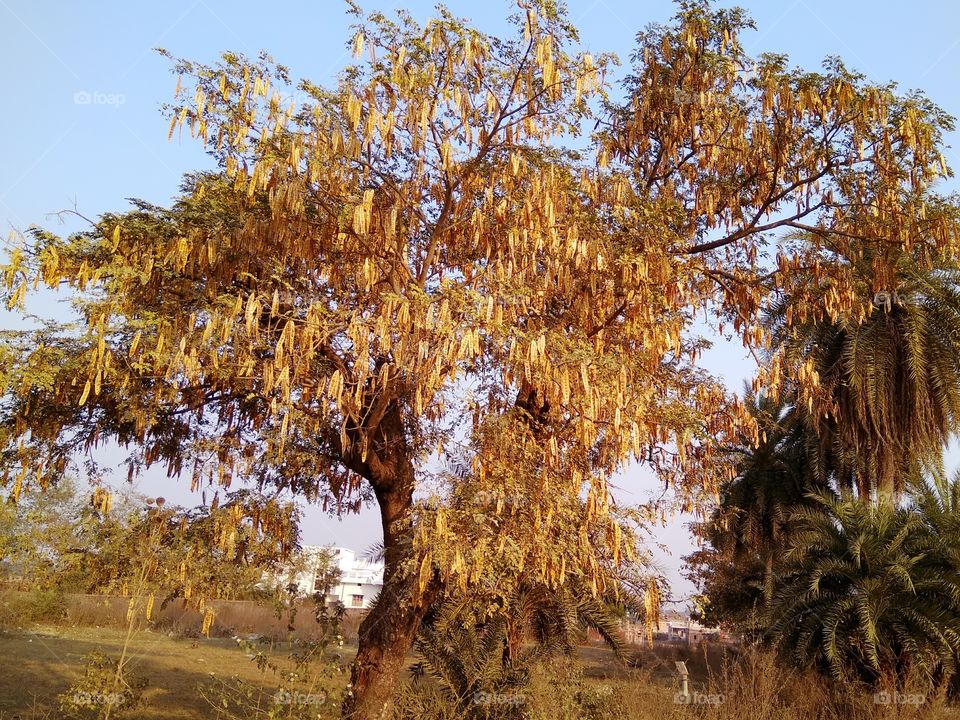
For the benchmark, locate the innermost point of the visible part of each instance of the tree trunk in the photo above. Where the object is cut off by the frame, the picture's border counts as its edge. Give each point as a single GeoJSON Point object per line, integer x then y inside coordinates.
{"type": "Point", "coordinates": [768, 579]}
{"type": "Point", "coordinates": [514, 641]}
{"type": "Point", "coordinates": [389, 629]}
{"type": "Point", "coordinates": [885, 489]}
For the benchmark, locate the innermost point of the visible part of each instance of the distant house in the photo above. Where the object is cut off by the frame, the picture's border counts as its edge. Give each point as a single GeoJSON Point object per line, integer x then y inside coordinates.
{"type": "Point", "coordinates": [692, 633]}
{"type": "Point", "coordinates": [672, 629]}
{"type": "Point", "coordinates": [360, 579]}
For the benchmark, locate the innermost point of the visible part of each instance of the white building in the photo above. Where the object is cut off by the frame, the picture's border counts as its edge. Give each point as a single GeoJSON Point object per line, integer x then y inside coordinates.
{"type": "Point", "coordinates": [691, 632]}
{"type": "Point", "coordinates": [671, 630]}
{"type": "Point", "coordinates": [360, 579]}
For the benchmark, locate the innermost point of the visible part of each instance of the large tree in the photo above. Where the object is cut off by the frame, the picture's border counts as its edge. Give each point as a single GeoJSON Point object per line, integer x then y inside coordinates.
{"type": "Point", "coordinates": [746, 531]}
{"type": "Point", "coordinates": [412, 260]}
{"type": "Point", "coordinates": [887, 396]}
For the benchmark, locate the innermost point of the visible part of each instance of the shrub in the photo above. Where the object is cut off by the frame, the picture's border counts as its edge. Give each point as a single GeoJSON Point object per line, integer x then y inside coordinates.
{"type": "Point", "coordinates": [39, 605]}
{"type": "Point", "coordinates": [105, 690]}
{"type": "Point", "coordinates": [558, 689]}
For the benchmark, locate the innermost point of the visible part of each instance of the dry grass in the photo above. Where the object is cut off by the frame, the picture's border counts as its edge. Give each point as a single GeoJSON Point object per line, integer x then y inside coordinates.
{"type": "Point", "coordinates": [748, 685]}
{"type": "Point", "coordinates": [233, 617]}
{"type": "Point", "coordinates": [745, 685]}
{"type": "Point", "coordinates": [41, 663]}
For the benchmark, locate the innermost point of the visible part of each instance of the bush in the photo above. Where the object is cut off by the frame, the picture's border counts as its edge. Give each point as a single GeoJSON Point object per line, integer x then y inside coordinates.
{"type": "Point", "coordinates": [423, 701]}
{"type": "Point", "coordinates": [39, 605]}
{"type": "Point", "coordinates": [105, 690]}
{"type": "Point", "coordinates": [866, 590]}
{"type": "Point", "coordinates": [559, 690]}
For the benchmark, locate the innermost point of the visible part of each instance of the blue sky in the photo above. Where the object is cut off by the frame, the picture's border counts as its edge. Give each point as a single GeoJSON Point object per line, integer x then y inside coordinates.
{"type": "Point", "coordinates": [83, 86]}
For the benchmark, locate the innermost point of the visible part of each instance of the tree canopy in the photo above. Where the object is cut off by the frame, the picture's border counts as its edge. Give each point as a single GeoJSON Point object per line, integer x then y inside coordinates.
{"type": "Point", "coordinates": [437, 255]}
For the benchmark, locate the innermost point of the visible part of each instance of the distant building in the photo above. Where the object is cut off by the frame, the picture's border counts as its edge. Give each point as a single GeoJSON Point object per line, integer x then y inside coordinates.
{"type": "Point", "coordinates": [673, 629]}
{"type": "Point", "coordinates": [692, 633]}
{"type": "Point", "coordinates": [360, 579]}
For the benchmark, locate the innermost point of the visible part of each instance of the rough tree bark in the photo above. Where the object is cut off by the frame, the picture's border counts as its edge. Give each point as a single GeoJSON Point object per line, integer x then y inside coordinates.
{"type": "Point", "coordinates": [886, 490]}
{"type": "Point", "coordinates": [389, 629]}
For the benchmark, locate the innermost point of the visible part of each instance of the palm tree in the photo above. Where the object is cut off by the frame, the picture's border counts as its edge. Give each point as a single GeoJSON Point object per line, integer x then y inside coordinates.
{"type": "Point", "coordinates": [866, 589]}
{"type": "Point", "coordinates": [470, 645]}
{"type": "Point", "coordinates": [466, 661]}
{"type": "Point", "coordinates": [556, 617]}
{"type": "Point", "coordinates": [772, 478]}
{"type": "Point", "coordinates": [890, 384]}
{"type": "Point", "coordinates": [937, 500]}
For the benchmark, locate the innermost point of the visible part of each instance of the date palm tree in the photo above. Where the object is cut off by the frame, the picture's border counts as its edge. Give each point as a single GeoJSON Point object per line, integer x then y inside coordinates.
{"type": "Point", "coordinates": [890, 384]}
{"type": "Point", "coordinates": [473, 648]}
{"type": "Point", "coordinates": [751, 519]}
{"type": "Point", "coordinates": [867, 589]}
{"type": "Point", "coordinates": [467, 662]}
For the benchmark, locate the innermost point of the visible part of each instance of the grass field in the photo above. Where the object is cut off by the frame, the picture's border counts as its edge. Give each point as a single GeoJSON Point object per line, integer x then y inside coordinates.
{"type": "Point", "coordinates": [40, 662]}
{"type": "Point", "coordinates": [43, 662]}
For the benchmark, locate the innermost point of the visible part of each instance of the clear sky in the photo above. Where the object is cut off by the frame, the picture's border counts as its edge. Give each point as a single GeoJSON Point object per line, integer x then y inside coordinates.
{"type": "Point", "coordinates": [83, 88]}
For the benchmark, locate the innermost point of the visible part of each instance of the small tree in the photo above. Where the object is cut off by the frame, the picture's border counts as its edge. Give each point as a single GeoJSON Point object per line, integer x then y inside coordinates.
{"type": "Point", "coordinates": [867, 590]}
{"type": "Point", "coordinates": [35, 533]}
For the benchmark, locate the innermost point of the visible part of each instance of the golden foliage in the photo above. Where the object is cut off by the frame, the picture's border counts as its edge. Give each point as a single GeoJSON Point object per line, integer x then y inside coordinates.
{"type": "Point", "coordinates": [410, 260]}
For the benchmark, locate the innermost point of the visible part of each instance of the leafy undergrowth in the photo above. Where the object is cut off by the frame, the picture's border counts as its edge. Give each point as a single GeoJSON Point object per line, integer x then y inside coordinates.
{"type": "Point", "coordinates": [748, 685]}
